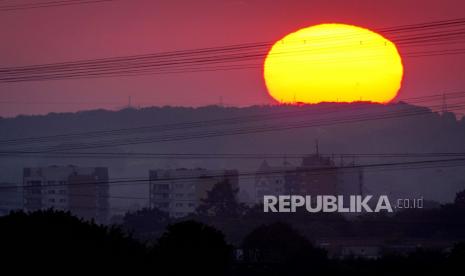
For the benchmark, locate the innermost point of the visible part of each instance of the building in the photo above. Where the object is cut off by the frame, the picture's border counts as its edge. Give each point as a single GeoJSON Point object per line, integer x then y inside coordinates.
{"type": "Point", "coordinates": [11, 198]}
{"type": "Point", "coordinates": [272, 180]}
{"type": "Point", "coordinates": [179, 191]}
{"type": "Point", "coordinates": [82, 190]}
{"type": "Point", "coordinates": [373, 248]}
{"type": "Point", "coordinates": [316, 175]}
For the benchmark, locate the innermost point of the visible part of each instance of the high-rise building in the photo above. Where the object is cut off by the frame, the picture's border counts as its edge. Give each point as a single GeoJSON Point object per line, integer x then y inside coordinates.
{"type": "Point", "coordinates": [180, 191]}
{"type": "Point", "coordinates": [316, 175]}
{"type": "Point", "coordinates": [11, 198]}
{"type": "Point", "coordinates": [272, 180]}
{"type": "Point", "coordinates": [83, 191]}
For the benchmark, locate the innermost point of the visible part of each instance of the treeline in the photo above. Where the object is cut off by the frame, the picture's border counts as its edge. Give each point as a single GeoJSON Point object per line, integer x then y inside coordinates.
{"type": "Point", "coordinates": [55, 241]}
{"type": "Point", "coordinates": [225, 237]}
{"type": "Point", "coordinates": [221, 210]}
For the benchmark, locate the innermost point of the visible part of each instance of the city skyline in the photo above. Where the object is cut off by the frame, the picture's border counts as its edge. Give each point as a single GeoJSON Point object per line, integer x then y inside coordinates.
{"type": "Point", "coordinates": [233, 137]}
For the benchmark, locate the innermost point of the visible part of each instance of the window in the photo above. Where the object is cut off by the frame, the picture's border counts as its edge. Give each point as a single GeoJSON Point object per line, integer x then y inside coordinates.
{"type": "Point", "coordinates": [162, 195]}
{"type": "Point", "coordinates": [32, 201]}
{"type": "Point", "coordinates": [163, 187]}
{"type": "Point", "coordinates": [34, 183]}
{"type": "Point", "coordinates": [163, 205]}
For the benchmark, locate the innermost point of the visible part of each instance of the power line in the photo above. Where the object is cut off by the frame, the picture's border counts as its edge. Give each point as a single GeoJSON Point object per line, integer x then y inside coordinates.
{"type": "Point", "coordinates": [182, 67]}
{"type": "Point", "coordinates": [308, 170]}
{"type": "Point", "coordinates": [241, 131]}
{"type": "Point", "coordinates": [199, 135]}
{"type": "Point", "coordinates": [319, 110]}
{"type": "Point", "coordinates": [227, 57]}
{"type": "Point", "coordinates": [184, 180]}
{"type": "Point", "coordinates": [379, 167]}
{"type": "Point", "coordinates": [148, 155]}
{"type": "Point", "coordinates": [59, 103]}
{"type": "Point", "coordinates": [49, 4]}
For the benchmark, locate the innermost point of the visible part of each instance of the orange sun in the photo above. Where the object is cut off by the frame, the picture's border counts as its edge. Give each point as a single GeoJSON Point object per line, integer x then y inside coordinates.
{"type": "Point", "coordinates": [333, 63]}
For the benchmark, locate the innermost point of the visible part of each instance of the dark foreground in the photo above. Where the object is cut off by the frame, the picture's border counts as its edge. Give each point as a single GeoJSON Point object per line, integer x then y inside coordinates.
{"type": "Point", "coordinates": [46, 240]}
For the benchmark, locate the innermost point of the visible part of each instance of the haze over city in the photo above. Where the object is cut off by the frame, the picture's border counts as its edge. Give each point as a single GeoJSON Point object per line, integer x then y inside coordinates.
{"type": "Point", "coordinates": [233, 137]}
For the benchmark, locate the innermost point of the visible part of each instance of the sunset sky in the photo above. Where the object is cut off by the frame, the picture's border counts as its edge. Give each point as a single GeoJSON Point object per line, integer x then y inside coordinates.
{"type": "Point", "coordinates": [129, 27]}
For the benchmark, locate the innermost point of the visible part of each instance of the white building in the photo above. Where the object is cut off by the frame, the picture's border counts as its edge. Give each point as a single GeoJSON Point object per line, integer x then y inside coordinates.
{"type": "Point", "coordinates": [180, 191]}
{"type": "Point", "coordinates": [271, 180]}
{"type": "Point", "coordinates": [81, 190]}
{"type": "Point", "coordinates": [11, 198]}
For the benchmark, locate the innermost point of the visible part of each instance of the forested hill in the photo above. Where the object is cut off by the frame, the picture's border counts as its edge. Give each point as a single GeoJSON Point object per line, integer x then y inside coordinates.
{"type": "Point", "coordinates": [358, 128]}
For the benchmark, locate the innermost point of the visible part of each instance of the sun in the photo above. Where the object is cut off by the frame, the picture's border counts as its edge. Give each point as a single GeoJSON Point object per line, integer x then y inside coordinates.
{"type": "Point", "coordinates": [333, 63]}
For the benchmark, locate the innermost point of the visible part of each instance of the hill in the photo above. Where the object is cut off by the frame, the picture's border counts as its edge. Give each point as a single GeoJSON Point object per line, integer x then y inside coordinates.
{"type": "Point", "coordinates": [287, 130]}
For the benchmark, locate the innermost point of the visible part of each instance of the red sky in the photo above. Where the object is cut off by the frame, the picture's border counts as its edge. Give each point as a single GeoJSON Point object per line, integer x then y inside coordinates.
{"type": "Point", "coordinates": [128, 27]}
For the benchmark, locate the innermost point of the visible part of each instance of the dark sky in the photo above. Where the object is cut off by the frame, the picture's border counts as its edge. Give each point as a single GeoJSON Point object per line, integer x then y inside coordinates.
{"type": "Point", "coordinates": [128, 27]}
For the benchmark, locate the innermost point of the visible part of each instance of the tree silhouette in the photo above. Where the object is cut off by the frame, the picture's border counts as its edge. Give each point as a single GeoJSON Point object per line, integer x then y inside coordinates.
{"type": "Point", "coordinates": [195, 248]}
{"type": "Point", "coordinates": [221, 201]}
{"type": "Point", "coordinates": [146, 224]}
{"type": "Point", "coordinates": [460, 199]}
{"type": "Point", "coordinates": [280, 246]}
{"type": "Point", "coordinates": [58, 237]}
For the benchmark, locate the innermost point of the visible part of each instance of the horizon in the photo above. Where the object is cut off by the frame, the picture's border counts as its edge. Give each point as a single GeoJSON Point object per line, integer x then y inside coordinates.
{"type": "Point", "coordinates": [233, 137]}
{"type": "Point", "coordinates": [458, 113]}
